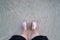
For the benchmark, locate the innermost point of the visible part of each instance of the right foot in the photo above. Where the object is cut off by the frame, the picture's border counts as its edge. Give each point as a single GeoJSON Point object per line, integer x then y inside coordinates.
{"type": "Point", "coordinates": [34, 25]}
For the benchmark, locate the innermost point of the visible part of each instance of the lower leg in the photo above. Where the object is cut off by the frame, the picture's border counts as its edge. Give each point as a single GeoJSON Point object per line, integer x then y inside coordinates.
{"type": "Point", "coordinates": [24, 32]}
{"type": "Point", "coordinates": [34, 30]}
{"type": "Point", "coordinates": [34, 33]}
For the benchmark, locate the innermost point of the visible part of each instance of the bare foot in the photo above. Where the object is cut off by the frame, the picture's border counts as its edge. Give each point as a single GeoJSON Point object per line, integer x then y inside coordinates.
{"type": "Point", "coordinates": [34, 25]}
{"type": "Point", "coordinates": [24, 25]}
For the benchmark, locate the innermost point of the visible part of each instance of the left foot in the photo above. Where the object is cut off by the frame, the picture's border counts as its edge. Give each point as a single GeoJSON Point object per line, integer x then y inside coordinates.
{"type": "Point", "coordinates": [24, 24]}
